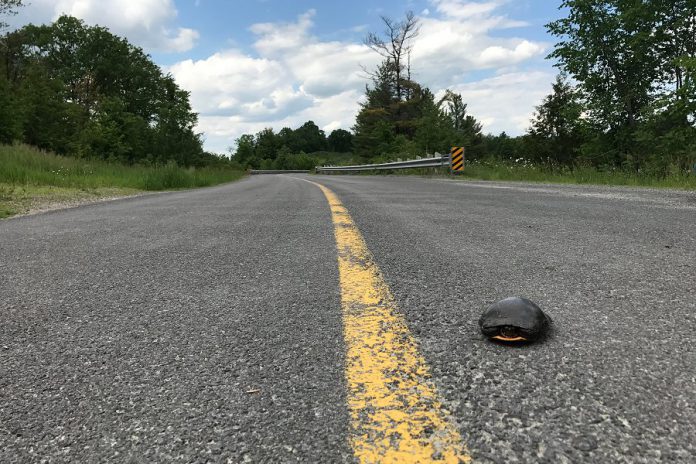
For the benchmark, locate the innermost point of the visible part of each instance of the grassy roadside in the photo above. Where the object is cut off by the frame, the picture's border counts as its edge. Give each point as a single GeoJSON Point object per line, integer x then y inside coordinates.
{"type": "Point", "coordinates": [32, 180]}
{"type": "Point", "coordinates": [525, 172]}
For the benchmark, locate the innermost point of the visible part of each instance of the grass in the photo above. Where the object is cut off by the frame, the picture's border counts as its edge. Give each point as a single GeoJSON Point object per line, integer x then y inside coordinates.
{"type": "Point", "coordinates": [32, 179]}
{"type": "Point", "coordinates": [527, 172]}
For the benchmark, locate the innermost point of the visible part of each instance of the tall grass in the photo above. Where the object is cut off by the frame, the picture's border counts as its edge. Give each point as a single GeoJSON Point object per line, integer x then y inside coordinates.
{"type": "Point", "coordinates": [525, 171]}
{"type": "Point", "coordinates": [24, 165]}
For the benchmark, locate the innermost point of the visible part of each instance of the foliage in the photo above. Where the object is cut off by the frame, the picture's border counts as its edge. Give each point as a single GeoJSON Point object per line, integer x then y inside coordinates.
{"type": "Point", "coordinates": [465, 129]}
{"type": "Point", "coordinates": [395, 48]}
{"type": "Point", "coordinates": [557, 129]}
{"type": "Point", "coordinates": [27, 166]}
{"type": "Point", "coordinates": [411, 125]}
{"type": "Point", "coordinates": [8, 8]}
{"type": "Point", "coordinates": [340, 140]}
{"type": "Point", "coordinates": [311, 138]}
{"type": "Point", "coordinates": [401, 118]}
{"type": "Point", "coordinates": [302, 148]}
{"type": "Point", "coordinates": [80, 90]}
{"type": "Point", "coordinates": [521, 169]}
{"type": "Point", "coordinates": [633, 64]}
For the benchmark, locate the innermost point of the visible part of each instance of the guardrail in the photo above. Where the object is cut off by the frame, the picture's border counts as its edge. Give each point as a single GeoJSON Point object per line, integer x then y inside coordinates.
{"type": "Point", "coordinates": [435, 162]}
{"type": "Point", "coordinates": [277, 171]}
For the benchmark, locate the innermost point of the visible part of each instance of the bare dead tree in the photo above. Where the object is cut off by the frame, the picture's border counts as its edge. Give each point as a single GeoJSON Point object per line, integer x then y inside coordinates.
{"type": "Point", "coordinates": [396, 45]}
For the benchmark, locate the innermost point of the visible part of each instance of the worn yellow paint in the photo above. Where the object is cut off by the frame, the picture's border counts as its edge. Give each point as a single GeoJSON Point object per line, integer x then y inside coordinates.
{"type": "Point", "coordinates": [396, 416]}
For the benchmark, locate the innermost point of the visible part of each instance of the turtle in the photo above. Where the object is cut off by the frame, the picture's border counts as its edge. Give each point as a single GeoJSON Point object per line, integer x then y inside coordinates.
{"type": "Point", "coordinates": [514, 319]}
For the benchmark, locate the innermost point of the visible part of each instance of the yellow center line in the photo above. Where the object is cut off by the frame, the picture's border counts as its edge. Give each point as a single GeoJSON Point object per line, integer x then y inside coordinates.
{"type": "Point", "coordinates": [396, 416]}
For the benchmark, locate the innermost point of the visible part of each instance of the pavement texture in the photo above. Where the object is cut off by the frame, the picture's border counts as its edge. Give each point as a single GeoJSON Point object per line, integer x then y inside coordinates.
{"type": "Point", "coordinates": [205, 326]}
{"type": "Point", "coordinates": [200, 326]}
{"type": "Point", "coordinates": [614, 268]}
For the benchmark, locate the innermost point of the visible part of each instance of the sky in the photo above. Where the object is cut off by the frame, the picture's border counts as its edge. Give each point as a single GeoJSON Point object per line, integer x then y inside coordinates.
{"type": "Point", "coordinates": [279, 63]}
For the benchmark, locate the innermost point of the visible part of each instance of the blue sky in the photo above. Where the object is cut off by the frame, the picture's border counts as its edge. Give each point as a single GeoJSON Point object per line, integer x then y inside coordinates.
{"type": "Point", "coordinates": [274, 63]}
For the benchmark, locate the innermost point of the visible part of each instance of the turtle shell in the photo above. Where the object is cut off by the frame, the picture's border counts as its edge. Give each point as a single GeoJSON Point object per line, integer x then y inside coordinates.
{"type": "Point", "coordinates": [514, 320]}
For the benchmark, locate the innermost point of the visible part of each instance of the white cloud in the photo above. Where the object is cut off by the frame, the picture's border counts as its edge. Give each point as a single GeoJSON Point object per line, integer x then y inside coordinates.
{"type": "Point", "coordinates": [462, 9]}
{"type": "Point", "coordinates": [225, 81]}
{"type": "Point", "coordinates": [294, 76]}
{"type": "Point", "coordinates": [275, 38]}
{"type": "Point", "coordinates": [147, 23]}
{"type": "Point", "coordinates": [335, 112]}
{"type": "Point", "coordinates": [496, 56]}
{"type": "Point", "coordinates": [506, 102]}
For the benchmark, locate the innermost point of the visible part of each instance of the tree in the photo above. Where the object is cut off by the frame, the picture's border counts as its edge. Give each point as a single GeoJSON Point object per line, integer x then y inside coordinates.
{"type": "Point", "coordinates": [288, 138]}
{"type": "Point", "coordinates": [629, 58]}
{"type": "Point", "coordinates": [310, 137]}
{"type": "Point", "coordinates": [502, 146]}
{"type": "Point", "coordinates": [374, 133]}
{"type": "Point", "coordinates": [668, 137]}
{"type": "Point", "coordinates": [266, 144]}
{"type": "Point", "coordinates": [675, 39]}
{"type": "Point", "coordinates": [432, 128]}
{"type": "Point", "coordinates": [607, 47]}
{"type": "Point", "coordinates": [50, 122]}
{"type": "Point", "coordinates": [79, 89]}
{"type": "Point", "coordinates": [245, 149]}
{"type": "Point", "coordinates": [8, 8]}
{"type": "Point", "coordinates": [11, 116]}
{"type": "Point", "coordinates": [557, 130]}
{"type": "Point", "coordinates": [340, 140]}
{"type": "Point", "coordinates": [387, 125]}
{"type": "Point", "coordinates": [375, 127]}
{"type": "Point", "coordinates": [396, 47]}
{"type": "Point", "coordinates": [466, 129]}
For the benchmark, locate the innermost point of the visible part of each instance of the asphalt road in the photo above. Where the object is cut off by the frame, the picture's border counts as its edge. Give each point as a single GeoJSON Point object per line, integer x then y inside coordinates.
{"type": "Point", "coordinates": [205, 326]}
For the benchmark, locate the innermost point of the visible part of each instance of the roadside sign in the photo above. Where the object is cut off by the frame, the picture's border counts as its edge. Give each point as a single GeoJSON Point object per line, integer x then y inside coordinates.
{"type": "Point", "coordinates": [457, 159]}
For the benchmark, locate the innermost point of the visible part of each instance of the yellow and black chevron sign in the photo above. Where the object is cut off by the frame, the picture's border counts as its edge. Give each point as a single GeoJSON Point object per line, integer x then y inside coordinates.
{"type": "Point", "coordinates": [457, 159]}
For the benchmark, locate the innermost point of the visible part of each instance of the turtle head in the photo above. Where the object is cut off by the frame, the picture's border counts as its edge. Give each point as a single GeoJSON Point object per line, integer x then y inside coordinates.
{"type": "Point", "coordinates": [509, 333]}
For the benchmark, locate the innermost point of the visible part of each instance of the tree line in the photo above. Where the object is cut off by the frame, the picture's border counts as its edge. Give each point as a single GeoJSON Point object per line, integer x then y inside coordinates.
{"type": "Point", "coordinates": [398, 118]}
{"type": "Point", "coordinates": [79, 90]}
{"type": "Point", "coordinates": [629, 98]}
{"type": "Point", "coordinates": [625, 97]}
{"type": "Point", "coordinates": [301, 148]}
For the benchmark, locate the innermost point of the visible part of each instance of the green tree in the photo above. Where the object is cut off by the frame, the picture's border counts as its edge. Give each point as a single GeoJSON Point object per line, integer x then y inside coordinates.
{"type": "Point", "coordinates": [503, 146]}
{"type": "Point", "coordinates": [395, 48]}
{"type": "Point", "coordinates": [11, 117]}
{"type": "Point", "coordinates": [50, 122]}
{"type": "Point", "coordinates": [465, 129]}
{"type": "Point", "coordinates": [266, 144]}
{"type": "Point", "coordinates": [374, 127]}
{"type": "Point", "coordinates": [631, 60]}
{"type": "Point", "coordinates": [433, 129]}
{"type": "Point", "coordinates": [82, 89]}
{"type": "Point", "coordinates": [8, 8]}
{"type": "Point", "coordinates": [246, 149]}
{"type": "Point", "coordinates": [311, 138]}
{"type": "Point", "coordinates": [557, 129]}
{"type": "Point", "coordinates": [287, 137]}
{"type": "Point", "coordinates": [283, 160]}
{"type": "Point", "coordinates": [340, 140]}
{"type": "Point", "coordinates": [116, 134]}
{"type": "Point", "coordinates": [608, 47]}
{"type": "Point", "coordinates": [668, 137]}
